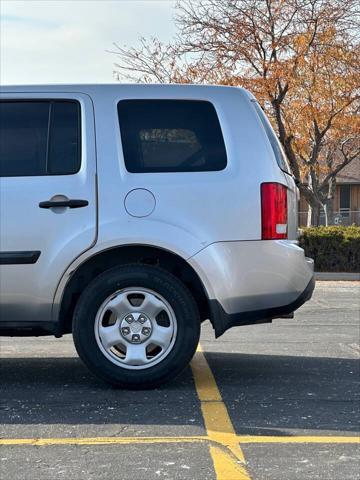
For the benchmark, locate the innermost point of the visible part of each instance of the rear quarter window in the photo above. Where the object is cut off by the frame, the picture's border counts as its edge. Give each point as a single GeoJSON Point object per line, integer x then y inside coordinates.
{"type": "Point", "coordinates": [273, 139]}
{"type": "Point", "coordinates": [171, 136]}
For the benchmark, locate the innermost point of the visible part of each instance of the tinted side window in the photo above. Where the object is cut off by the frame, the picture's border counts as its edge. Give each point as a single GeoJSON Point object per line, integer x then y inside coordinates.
{"type": "Point", "coordinates": [23, 138]}
{"type": "Point", "coordinates": [274, 141]}
{"type": "Point", "coordinates": [64, 144]}
{"type": "Point", "coordinates": [39, 138]}
{"type": "Point", "coordinates": [171, 136]}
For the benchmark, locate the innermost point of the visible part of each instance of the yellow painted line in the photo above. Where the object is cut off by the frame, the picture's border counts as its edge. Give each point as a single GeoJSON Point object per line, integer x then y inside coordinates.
{"type": "Point", "coordinates": [218, 424]}
{"type": "Point", "coordinates": [297, 439]}
{"type": "Point", "coordinates": [42, 442]}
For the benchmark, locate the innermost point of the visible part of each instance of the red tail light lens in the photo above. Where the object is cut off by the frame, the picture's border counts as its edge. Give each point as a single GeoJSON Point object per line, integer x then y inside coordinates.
{"type": "Point", "coordinates": [273, 211]}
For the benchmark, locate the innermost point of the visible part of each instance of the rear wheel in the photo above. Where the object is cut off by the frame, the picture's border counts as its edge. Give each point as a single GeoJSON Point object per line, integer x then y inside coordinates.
{"type": "Point", "coordinates": [136, 326]}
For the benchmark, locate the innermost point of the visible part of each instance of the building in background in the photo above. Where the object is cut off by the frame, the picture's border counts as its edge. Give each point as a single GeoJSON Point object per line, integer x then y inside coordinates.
{"type": "Point", "coordinates": [346, 203]}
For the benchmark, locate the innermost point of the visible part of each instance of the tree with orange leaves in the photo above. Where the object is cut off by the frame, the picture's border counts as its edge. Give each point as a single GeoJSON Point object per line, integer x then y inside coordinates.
{"type": "Point", "coordinates": [300, 58]}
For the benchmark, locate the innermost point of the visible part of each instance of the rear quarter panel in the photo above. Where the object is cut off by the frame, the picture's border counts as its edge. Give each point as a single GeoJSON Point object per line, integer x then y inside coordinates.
{"type": "Point", "coordinates": [193, 209]}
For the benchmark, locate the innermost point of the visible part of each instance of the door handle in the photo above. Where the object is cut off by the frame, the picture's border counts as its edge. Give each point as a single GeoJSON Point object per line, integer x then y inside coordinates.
{"type": "Point", "coordinates": [64, 203]}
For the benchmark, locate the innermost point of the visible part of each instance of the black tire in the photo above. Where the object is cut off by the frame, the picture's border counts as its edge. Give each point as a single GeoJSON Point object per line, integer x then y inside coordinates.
{"type": "Point", "coordinates": [159, 281]}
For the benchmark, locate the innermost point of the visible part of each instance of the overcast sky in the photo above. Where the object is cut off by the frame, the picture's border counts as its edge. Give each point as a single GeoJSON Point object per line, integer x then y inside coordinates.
{"type": "Point", "coordinates": [65, 41]}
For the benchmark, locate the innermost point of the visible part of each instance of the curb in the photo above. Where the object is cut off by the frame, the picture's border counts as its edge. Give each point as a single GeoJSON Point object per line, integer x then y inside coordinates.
{"type": "Point", "coordinates": [337, 276]}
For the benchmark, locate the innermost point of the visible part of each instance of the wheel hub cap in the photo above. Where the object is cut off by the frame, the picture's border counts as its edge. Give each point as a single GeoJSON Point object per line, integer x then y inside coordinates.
{"type": "Point", "coordinates": [136, 327]}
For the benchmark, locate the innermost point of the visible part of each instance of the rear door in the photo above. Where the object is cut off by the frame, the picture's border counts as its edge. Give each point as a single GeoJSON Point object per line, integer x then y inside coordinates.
{"type": "Point", "coordinates": [47, 199]}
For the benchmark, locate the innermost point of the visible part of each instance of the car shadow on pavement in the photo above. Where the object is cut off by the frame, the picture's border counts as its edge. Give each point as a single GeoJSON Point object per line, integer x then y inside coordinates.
{"type": "Point", "coordinates": [264, 394]}
{"type": "Point", "coordinates": [277, 394]}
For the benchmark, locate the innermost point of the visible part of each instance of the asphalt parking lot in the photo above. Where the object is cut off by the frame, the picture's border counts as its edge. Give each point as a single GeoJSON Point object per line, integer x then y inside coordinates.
{"type": "Point", "coordinates": [266, 402]}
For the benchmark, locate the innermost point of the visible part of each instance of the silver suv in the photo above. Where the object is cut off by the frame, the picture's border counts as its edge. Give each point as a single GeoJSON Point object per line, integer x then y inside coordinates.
{"type": "Point", "coordinates": [132, 213]}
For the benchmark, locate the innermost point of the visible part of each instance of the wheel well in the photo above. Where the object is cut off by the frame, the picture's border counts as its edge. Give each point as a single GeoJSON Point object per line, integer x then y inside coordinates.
{"type": "Point", "coordinates": [102, 261]}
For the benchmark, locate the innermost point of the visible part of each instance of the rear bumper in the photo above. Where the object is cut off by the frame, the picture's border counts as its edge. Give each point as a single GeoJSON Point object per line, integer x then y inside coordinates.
{"type": "Point", "coordinates": [223, 321]}
{"type": "Point", "coordinates": [253, 281]}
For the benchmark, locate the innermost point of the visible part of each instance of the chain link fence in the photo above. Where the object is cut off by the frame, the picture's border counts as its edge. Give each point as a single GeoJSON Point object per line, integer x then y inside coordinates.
{"type": "Point", "coordinates": [343, 217]}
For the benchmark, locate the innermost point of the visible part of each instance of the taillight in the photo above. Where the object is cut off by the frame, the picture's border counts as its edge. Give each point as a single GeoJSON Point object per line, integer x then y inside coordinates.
{"type": "Point", "coordinates": [273, 211]}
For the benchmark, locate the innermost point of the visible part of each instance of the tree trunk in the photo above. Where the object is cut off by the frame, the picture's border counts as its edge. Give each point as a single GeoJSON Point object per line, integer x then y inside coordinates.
{"type": "Point", "coordinates": [309, 214]}
{"type": "Point", "coordinates": [329, 202]}
{"type": "Point", "coordinates": [313, 217]}
{"type": "Point", "coordinates": [325, 207]}
{"type": "Point", "coordinates": [329, 211]}
{"type": "Point", "coordinates": [316, 216]}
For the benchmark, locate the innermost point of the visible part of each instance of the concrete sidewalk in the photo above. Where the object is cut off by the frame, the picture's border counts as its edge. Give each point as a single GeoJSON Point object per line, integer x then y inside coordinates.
{"type": "Point", "coordinates": [337, 276]}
